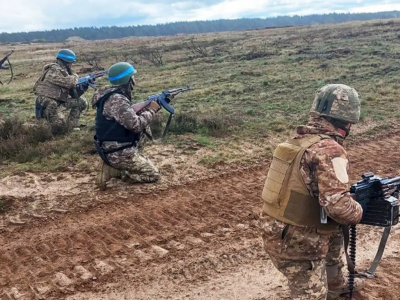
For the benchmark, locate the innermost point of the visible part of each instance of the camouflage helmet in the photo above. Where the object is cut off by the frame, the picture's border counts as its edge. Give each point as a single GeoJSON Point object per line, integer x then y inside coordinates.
{"type": "Point", "coordinates": [66, 55]}
{"type": "Point", "coordinates": [337, 101]}
{"type": "Point", "coordinates": [120, 73]}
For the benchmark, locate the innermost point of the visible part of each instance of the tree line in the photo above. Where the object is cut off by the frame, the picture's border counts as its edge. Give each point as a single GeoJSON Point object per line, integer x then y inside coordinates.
{"type": "Point", "coordinates": [186, 27]}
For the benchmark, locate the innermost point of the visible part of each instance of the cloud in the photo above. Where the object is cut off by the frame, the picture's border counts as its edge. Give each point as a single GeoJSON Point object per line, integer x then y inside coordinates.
{"type": "Point", "coordinates": [24, 15]}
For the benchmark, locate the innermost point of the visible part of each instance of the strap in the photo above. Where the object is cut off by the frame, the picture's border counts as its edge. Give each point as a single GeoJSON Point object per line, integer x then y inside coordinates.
{"type": "Point", "coordinates": [166, 127]}
{"type": "Point", "coordinates": [370, 273]}
{"type": "Point", "coordinates": [103, 154]}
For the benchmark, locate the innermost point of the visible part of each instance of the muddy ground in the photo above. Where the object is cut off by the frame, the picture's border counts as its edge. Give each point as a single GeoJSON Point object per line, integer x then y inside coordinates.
{"type": "Point", "coordinates": [196, 238]}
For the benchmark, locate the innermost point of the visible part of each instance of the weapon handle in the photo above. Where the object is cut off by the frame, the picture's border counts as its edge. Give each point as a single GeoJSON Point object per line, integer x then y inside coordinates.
{"type": "Point", "coordinates": [166, 105]}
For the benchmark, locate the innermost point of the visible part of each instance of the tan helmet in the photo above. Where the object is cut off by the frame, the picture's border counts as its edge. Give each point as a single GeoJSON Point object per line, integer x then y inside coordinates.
{"type": "Point", "coordinates": [337, 101]}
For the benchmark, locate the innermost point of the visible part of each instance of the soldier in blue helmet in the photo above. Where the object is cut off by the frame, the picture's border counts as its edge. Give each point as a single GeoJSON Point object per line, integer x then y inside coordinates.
{"type": "Point", "coordinates": [120, 131]}
{"type": "Point", "coordinates": [58, 99]}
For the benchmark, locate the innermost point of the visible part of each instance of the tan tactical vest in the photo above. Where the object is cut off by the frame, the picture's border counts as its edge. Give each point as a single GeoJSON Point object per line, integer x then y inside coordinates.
{"type": "Point", "coordinates": [285, 195]}
{"type": "Point", "coordinates": [47, 89]}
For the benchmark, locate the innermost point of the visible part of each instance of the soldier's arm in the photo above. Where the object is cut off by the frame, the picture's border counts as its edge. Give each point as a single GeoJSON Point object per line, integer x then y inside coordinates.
{"type": "Point", "coordinates": [61, 78]}
{"type": "Point", "coordinates": [333, 183]}
{"type": "Point", "coordinates": [120, 108]}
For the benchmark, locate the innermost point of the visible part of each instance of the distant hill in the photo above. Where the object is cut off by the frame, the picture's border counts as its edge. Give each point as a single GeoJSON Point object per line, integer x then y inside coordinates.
{"type": "Point", "coordinates": [114, 32]}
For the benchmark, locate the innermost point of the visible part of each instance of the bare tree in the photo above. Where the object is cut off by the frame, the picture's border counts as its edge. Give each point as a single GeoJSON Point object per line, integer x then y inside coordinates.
{"type": "Point", "coordinates": [93, 60]}
{"type": "Point", "coordinates": [196, 47]}
{"type": "Point", "coordinates": [154, 55]}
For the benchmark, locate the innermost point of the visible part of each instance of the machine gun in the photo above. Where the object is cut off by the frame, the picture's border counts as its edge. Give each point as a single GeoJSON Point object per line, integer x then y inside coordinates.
{"type": "Point", "coordinates": [9, 67]}
{"type": "Point", "coordinates": [379, 200]}
{"type": "Point", "coordinates": [90, 79]}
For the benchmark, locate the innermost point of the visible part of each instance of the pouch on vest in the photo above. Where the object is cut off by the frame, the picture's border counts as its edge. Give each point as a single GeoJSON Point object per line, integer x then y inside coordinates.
{"type": "Point", "coordinates": [284, 155]}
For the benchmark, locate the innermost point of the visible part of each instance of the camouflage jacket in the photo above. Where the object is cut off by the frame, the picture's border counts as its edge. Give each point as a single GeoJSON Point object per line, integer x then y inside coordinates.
{"type": "Point", "coordinates": [55, 82]}
{"type": "Point", "coordinates": [119, 108]}
{"type": "Point", "coordinates": [324, 168]}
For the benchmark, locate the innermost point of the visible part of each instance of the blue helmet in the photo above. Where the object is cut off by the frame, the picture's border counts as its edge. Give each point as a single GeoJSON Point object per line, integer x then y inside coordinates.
{"type": "Point", "coordinates": [120, 73]}
{"type": "Point", "coordinates": [66, 55]}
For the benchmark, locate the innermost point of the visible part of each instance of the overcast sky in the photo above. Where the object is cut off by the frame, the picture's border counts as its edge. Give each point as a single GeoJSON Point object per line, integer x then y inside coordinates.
{"type": "Point", "coordinates": [32, 15]}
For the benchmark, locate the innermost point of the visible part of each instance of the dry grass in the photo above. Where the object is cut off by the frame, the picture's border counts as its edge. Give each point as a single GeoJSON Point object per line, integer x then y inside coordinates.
{"type": "Point", "coordinates": [249, 85]}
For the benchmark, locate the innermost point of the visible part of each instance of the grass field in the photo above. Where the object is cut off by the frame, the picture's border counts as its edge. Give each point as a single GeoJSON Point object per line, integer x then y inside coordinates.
{"type": "Point", "coordinates": [250, 88]}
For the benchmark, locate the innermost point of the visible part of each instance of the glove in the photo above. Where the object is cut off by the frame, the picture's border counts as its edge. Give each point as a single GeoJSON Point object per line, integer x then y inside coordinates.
{"type": "Point", "coordinates": [154, 106]}
{"type": "Point", "coordinates": [82, 88]}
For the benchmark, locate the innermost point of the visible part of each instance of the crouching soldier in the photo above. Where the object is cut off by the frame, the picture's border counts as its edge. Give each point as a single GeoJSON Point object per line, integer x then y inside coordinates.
{"type": "Point", "coordinates": [120, 131]}
{"type": "Point", "coordinates": [57, 93]}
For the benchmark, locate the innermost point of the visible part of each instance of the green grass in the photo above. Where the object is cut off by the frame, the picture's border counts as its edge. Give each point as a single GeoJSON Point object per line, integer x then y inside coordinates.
{"type": "Point", "coordinates": [253, 84]}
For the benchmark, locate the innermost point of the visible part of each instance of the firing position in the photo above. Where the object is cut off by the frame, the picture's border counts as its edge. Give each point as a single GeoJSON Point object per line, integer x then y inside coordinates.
{"type": "Point", "coordinates": [58, 93]}
{"type": "Point", "coordinates": [120, 130]}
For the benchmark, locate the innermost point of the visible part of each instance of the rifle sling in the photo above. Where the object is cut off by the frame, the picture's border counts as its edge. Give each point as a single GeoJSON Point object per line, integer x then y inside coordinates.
{"type": "Point", "coordinates": [167, 127]}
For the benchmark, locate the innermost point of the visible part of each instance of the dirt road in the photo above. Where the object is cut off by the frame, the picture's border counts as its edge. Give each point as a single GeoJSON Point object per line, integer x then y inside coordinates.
{"type": "Point", "coordinates": [194, 240]}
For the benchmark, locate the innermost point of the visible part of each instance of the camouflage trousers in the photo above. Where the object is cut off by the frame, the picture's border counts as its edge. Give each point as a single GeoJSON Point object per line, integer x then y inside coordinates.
{"type": "Point", "coordinates": [134, 166]}
{"type": "Point", "coordinates": [312, 262]}
{"type": "Point", "coordinates": [55, 111]}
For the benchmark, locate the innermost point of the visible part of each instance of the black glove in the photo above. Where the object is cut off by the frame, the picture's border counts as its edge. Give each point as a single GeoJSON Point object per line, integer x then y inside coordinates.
{"type": "Point", "coordinates": [82, 88]}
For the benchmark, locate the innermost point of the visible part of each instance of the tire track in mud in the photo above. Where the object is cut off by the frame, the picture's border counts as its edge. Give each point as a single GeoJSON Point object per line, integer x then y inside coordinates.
{"type": "Point", "coordinates": [63, 255]}
{"type": "Point", "coordinates": [185, 234]}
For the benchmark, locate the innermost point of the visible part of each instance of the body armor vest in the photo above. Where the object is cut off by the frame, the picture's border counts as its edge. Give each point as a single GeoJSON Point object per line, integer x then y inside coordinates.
{"type": "Point", "coordinates": [111, 130]}
{"type": "Point", "coordinates": [44, 88]}
{"type": "Point", "coordinates": [286, 197]}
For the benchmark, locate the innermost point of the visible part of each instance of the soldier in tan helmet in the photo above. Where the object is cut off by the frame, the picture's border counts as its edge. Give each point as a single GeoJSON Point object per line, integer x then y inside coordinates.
{"type": "Point", "coordinates": [309, 171]}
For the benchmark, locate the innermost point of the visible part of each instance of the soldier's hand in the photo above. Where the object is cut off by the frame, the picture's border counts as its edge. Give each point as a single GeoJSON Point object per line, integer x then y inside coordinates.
{"type": "Point", "coordinates": [154, 106]}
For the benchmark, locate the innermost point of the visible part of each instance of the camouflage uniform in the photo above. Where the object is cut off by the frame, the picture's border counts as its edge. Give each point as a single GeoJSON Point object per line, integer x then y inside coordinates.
{"type": "Point", "coordinates": [53, 89]}
{"type": "Point", "coordinates": [134, 166]}
{"type": "Point", "coordinates": [312, 260]}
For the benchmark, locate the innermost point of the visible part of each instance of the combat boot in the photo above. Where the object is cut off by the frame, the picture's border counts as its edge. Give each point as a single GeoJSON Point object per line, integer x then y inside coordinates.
{"type": "Point", "coordinates": [106, 173]}
{"type": "Point", "coordinates": [335, 292]}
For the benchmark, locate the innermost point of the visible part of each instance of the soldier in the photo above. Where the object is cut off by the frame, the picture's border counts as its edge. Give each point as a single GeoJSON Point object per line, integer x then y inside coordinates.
{"type": "Point", "coordinates": [308, 173]}
{"type": "Point", "coordinates": [57, 92]}
{"type": "Point", "coordinates": [120, 131]}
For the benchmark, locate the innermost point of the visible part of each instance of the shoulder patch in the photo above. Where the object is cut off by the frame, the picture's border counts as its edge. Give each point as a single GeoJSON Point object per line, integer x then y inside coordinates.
{"type": "Point", "coordinates": [340, 168]}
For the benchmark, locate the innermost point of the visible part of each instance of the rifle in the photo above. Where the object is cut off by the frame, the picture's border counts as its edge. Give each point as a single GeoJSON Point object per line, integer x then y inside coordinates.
{"type": "Point", "coordinates": [162, 99]}
{"type": "Point", "coordinates": [90, 79]}
{"type": "Point", "coordinates": [3, 67]}
{"type": "Point", "coordinates": [379, 200]}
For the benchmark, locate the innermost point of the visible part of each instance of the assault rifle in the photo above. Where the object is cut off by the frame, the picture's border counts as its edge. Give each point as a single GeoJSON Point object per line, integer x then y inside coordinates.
{"type": "Point", "coordinates": [9, 67]}
{"type": "Point", "coordinates": [90, 79]}
{"type": "Point", "coordinates": [163, 99]}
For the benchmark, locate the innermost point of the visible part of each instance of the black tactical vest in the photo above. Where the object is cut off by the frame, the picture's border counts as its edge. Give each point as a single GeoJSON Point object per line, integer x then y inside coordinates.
{"type": "Point", "coordinates": [111, 130]}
